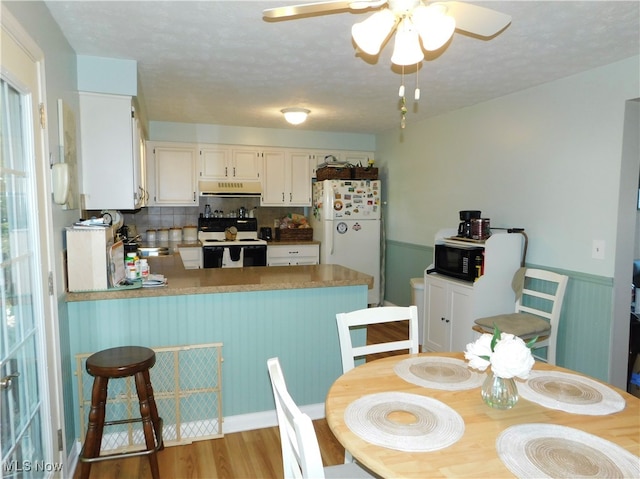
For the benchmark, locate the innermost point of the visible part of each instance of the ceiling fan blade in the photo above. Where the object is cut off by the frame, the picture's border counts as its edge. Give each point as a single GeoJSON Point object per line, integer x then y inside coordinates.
{"type": "Point", "coordinates": [306, 8]}
{"type": "Point", "coordinates": [477, 20]}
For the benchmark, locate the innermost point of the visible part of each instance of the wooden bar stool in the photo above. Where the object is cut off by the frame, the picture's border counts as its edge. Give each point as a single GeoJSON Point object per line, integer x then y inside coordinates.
{"type": "Point", "coordinates": [119, 363]}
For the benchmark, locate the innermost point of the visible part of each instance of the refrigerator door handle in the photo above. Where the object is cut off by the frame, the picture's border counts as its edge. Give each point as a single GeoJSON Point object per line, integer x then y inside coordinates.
{"type": "Point", "coordinates": [331, 238]}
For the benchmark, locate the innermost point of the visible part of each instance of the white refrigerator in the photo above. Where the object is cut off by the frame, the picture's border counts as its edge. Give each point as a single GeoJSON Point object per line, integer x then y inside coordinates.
{"type": "Point", "coordinates": [346, 221]}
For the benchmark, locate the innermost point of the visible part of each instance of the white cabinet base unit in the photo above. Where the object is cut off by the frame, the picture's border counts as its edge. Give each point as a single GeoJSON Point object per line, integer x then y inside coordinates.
{"type": "Point", "coordinates": [191, 256]}
{"type": "Point", "coordinates": [292, 254]}
{"type": "Point", "coordinates": [451, 305]}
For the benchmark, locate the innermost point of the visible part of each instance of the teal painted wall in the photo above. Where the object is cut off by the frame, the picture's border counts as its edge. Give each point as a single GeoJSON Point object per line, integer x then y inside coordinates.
{"type": "Point", "coordinates": [107, 75]}
{"type": "Point", "coordinates": [403, 262]}
{"type": "Point", "coordinates": [298, 326]}
{"type": "Point", "coordinates": [587, 301]}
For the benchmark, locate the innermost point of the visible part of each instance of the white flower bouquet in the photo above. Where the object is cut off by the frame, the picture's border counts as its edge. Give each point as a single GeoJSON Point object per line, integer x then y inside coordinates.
{"type": "Point", "coordinates": [508, 355]}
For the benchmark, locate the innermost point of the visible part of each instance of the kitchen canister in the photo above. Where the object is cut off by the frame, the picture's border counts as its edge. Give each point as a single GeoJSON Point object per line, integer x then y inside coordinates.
{"type": "Point", "coordinates": [151, 236]}
{"type": "Point", "coordinates": [175, 234]}
{"type": "Point", "coordinates": [480, 228]}
{"type": "Point", "coordinates": [190, 234]}
{"type": "Point", "coordinates": [163, 234]}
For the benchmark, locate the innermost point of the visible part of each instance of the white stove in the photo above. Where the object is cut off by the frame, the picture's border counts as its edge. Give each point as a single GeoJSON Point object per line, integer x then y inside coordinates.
{"type": "Point", "coordinates": [219, 252]}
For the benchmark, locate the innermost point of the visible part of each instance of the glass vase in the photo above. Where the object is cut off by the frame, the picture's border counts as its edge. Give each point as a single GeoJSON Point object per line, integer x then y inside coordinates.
{"type": "Point", "coordinates": [499, 393]}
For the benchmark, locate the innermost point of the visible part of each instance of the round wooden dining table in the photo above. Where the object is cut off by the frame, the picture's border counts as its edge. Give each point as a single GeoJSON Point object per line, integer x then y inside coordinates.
{"type": "Point", "coordinates": [474, 454]}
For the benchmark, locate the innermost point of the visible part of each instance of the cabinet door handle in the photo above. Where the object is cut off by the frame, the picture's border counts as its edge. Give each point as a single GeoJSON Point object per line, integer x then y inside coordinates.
{"type": "Point", "coordinates": [234, 171]}
{"type": "Point", "coordinates": [283, 196]}
{"type": "Point", "coordinates": [226, 172]}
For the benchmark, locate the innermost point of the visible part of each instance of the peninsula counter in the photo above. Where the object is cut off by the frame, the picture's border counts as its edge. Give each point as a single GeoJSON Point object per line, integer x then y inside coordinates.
{"type": "Point", "coordinates": [256, 313]}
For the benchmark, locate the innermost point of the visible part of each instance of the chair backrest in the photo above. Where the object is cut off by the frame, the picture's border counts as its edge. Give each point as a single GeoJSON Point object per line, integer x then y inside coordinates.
{"type": "Point", "coordinates": [542, 295]}
{"type": "Point", "coordinates": [365, 317]}
{"type": "Point", "coordinates": [300, 450]}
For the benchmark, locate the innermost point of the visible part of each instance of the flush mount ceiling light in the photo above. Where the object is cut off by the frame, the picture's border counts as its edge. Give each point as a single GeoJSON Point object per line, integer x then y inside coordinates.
{"type": "Point", "coordinates": [419, 25]}
{"type": "Point", "coordinates": [295, 116]}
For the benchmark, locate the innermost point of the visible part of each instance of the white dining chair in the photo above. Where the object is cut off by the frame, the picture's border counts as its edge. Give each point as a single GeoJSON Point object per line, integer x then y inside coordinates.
{"type": "Point", "coordinates": [539, 297]}
{"type": "Point", "coordinates": [300, 450]}
{"type": "Point", "coordinates": [369, 316]}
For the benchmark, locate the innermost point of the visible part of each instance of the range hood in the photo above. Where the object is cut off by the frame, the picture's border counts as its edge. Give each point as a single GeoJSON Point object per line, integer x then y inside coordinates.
{"type": "Point", "coordinates": [229, 188]}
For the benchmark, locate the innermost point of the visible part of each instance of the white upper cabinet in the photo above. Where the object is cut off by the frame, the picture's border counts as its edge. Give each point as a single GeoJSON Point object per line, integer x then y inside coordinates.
{"type": "Point", "coordinates": [112, 167]}
{"type": "Point", "coordinates": [224, 162]}
{"type": "Point", "coordinates": [172, 173]}
{"type": "Point", "coordinates": [287, 178]}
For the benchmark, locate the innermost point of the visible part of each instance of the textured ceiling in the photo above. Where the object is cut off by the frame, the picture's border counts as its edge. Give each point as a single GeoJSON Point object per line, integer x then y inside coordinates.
{"type": "Point", "coordinates": [220, 62]}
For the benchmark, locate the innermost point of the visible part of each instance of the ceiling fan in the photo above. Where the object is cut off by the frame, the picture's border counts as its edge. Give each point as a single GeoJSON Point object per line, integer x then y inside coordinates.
{"type": "Point", "coordinates": [418, 25]}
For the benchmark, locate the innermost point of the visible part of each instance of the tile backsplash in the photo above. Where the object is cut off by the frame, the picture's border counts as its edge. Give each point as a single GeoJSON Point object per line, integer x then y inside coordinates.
{"type": "Point", "coordinates": [155, 217]}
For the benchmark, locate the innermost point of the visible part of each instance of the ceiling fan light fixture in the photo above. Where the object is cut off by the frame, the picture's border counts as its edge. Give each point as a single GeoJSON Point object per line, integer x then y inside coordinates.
{"type": "Point", "coordinates": [434, 25]}
{"type": "Point", "coordinates": [295, 116]}
{"type": "Point", "coordinates": [407, 50]}
{"type": "Point", "coordinates": [371, 33]}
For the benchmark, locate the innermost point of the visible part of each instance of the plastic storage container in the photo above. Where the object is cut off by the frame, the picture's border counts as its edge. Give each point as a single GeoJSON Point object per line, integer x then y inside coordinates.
{"type": "Point", "coordinates": [417, 299]}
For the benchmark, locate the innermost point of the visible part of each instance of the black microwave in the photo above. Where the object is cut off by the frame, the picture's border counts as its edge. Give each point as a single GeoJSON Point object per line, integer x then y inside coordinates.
{"type": "Point", "coordinates": [459, 262]}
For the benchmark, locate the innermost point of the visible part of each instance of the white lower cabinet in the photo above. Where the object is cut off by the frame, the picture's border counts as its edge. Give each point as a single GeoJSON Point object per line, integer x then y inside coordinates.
{"type": "Point", "coordinates": [448, 314]}
{"type": "Point", "coordinates": [293, 254]}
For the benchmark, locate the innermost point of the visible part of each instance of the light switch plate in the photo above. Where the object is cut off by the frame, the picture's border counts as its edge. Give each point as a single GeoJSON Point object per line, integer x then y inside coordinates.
{"type": "Point", "coordinates": [597, 249]}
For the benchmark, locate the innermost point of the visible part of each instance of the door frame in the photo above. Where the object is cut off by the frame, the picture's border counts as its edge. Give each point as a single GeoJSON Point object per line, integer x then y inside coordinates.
{"type": "Point", "coordinates": [50, 375]}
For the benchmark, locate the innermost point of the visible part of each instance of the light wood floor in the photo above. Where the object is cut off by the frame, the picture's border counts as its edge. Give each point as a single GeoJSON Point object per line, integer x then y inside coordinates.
{"type": "Point", "coordinates": [251, 454]}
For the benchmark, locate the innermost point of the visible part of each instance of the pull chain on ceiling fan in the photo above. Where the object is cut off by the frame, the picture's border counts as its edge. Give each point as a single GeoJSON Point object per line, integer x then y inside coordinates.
{"type": "Point", "coordinates": [417, 26]}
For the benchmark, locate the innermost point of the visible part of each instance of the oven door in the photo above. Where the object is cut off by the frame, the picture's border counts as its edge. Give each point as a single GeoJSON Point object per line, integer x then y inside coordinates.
{"type": "Point", "coordinates": [254, 255]}
{"type": "Point", "coordinates": [212, 256]}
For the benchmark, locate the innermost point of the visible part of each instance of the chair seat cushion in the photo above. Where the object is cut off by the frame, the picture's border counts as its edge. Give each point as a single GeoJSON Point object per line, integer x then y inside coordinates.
{"type": "Point", "coordinates": [524, 325]}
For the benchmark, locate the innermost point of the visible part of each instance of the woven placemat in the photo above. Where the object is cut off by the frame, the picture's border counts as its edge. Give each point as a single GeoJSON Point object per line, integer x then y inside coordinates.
{"type": "Point", "coordinates": [571, 393]}
{"type": "Point", "coordinates": [550, 450]}
{"type": "Point", "coordinates": [439, 373]}
{"type": "Point", "coordinates": [427, 424]}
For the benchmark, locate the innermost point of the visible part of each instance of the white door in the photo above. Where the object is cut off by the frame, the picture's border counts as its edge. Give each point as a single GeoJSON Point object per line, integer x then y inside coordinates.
{"type": "Point", "coordinates": [175, 175]}
{"type": "Point", "coordinates": [299, 181]}
{"type": "Point", "coordinates": [437, 334]}
{"type": "Point", "coordinates": [273, 180]}
{"type": "Point", "coordinates": [28, 420]}
{"type": "Point", "coordinates": [246, 164]}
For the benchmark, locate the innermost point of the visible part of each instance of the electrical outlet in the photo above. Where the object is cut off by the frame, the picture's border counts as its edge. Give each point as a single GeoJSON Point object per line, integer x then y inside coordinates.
{"type": "Point", "coordinates": [597, 249]}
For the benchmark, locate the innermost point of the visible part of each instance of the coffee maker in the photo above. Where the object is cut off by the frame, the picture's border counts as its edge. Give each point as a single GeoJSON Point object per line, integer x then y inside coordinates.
{"type": "Point", "coordinates": [464, 228]}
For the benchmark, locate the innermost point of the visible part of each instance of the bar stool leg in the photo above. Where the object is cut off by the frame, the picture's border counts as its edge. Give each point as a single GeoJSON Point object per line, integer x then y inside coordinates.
{"type": "Point", "coordinates": [93, 439]}
{"type": "Point", "coordinates": [147, 423]}
{"type": "Point", "coordinates": [153, 409]}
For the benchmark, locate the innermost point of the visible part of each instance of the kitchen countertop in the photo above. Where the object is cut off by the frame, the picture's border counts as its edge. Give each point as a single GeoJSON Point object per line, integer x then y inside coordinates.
{"type": "Point", "coordinates": [290, 242]}
{"type": "Point", "coordinates": [229, 280]}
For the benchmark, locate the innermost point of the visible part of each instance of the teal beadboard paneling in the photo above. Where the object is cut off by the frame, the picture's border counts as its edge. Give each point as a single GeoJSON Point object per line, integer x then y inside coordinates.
{"type": "Point", "coordinates": [403, 262]}
{"type": "Point", "coordinates": [298, 326]}
{"type": "Point", "coordinates": [585, 322]}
